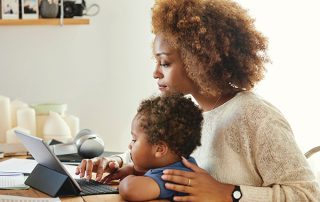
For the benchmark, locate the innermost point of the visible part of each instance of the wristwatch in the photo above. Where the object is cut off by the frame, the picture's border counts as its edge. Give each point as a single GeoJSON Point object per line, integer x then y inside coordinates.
{"type": "Point", "coordinates": [236, 194]}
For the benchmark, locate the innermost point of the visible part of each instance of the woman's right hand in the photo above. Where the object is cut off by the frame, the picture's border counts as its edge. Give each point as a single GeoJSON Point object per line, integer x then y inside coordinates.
{"type": "Point", "coordinates": [119, 174]}
{"type": "Point", "coordinates": [100, 165]}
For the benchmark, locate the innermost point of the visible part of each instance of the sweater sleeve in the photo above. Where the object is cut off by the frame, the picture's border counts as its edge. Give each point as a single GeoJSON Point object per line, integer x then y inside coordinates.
{"type": "Point", "coordinates": [285, 172]}
{"type": "Point", "coordinates": [125, 156]}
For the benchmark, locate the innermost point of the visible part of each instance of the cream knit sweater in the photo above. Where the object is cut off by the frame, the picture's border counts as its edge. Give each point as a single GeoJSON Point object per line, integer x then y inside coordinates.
{"type": "Point", "coordinates": [247, 142]}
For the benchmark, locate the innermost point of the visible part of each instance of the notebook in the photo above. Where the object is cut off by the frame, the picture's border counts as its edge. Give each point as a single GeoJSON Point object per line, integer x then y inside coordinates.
{"type": "Point", "coordinates": [49, 166]}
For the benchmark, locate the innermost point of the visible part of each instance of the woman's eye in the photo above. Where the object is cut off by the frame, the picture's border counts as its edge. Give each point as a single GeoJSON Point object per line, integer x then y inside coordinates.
{"type": "Point", "coordinates": [133, 141]}
{"type": "Point", "coordinates": [165, 65]}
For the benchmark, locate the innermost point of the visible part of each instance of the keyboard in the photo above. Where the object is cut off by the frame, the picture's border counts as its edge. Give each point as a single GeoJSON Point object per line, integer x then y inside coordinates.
{"type": "Point", "coordinates": [93, 187]}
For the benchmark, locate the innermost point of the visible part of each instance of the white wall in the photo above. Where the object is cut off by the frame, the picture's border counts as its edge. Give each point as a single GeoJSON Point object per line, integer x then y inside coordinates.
{"type": "Point", "coordinates": [292, 82]}
{"type": "Point", "coordinates": [103, 70]}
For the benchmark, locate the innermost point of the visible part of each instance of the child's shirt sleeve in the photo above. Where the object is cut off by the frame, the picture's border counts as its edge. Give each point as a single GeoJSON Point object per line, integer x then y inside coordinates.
{"type": "Point", "coordinates": [156, 174]}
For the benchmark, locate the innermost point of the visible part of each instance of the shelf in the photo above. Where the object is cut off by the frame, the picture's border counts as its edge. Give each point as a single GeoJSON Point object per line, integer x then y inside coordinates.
{"type": "Point", "coordinates": [56, 21]}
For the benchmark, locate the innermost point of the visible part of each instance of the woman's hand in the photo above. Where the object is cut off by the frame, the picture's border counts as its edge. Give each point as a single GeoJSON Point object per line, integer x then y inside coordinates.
{"type": "Point", "coordinates": [100, 165]}
{"type": "Point", "coordinates": [119, 174]}
{"type": "Point", "coordinates": [198, 184]}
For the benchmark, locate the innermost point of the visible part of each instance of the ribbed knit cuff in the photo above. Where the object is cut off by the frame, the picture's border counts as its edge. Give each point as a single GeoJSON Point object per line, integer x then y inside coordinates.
{"type": "Point", "coordinates": [256, 194]}
{"type": "Point", "coordinates": [125, 157]}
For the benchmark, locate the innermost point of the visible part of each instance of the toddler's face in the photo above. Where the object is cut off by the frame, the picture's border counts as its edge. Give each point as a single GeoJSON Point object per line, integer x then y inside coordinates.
{"type": "Point", "coordinates": [141, 150]}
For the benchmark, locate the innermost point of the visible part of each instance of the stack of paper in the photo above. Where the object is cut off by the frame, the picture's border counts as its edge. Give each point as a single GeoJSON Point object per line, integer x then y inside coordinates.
{"type": "Point", "coordinates": [8, 198]}
{"type": "Point", "coordinates": [18, 165]}
{"type": "Point", "coordinates": [12, 181]}
{"type": "Point", "coordinates": [26, 166]}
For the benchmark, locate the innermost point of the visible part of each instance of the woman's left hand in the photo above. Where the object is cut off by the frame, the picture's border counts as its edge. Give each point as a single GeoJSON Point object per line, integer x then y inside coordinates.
{"type": "Point", "coordinates": [198, 184]}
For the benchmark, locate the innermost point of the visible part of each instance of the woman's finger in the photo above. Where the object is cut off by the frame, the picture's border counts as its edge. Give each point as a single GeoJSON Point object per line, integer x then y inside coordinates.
{"type": "Point", "coordinates": [106, 179]}
{"type": "Point", "coordinates": [187, 174]}
{"type": "Point", "coordinates": [89, 168]}
{"type": "Point", "coordinates": [177, 179]}
{"type": "Point", "coordinates": [179, 188]}
{"type": "Point", "coordinates": [113, 165]}
{"type": "Point", "coordinates": [112, 176]}
{"type": "Point", "coordinates": [192, 166]}
{"type": "Point", "coordinates": [77, 172]}
{"type": "Point", "coordinates": [83, 166]}
{"type": "Point", "coordinates": [184, 198]}
{"type": "Point", "coordinates": [100, 168]}
{"type": "Point", "coordinates": [113, 168]}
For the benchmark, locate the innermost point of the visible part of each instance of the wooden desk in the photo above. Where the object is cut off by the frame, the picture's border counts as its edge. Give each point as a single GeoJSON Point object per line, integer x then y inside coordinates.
{"type": "Point", "coordinates": [93, 198]}
{"type": "Point", "coordinates": [37, 194]}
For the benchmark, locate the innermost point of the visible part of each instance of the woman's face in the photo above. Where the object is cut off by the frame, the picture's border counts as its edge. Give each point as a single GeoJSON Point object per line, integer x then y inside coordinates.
{"type": "Point", "coordinates": [170, 71]}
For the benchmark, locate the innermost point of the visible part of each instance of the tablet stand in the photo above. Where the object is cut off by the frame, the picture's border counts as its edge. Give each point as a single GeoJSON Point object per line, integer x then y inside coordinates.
{"type": "Point", "coordinates": [51, 182]}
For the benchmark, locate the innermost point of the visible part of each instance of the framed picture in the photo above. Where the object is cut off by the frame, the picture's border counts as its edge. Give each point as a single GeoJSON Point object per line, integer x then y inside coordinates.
{"type": "Point", "coordinates": [10, 9]}
{"type": "Point", "coordinates": [30, 9]}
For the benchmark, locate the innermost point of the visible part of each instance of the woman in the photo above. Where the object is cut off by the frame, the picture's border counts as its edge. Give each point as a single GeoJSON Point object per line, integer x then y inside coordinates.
{"type": "Point", "coordinates": [211, 50]}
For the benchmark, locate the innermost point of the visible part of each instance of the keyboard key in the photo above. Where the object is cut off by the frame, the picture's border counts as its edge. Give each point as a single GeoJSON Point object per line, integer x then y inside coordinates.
{"type": "Point", "coordinates": [92, 187]}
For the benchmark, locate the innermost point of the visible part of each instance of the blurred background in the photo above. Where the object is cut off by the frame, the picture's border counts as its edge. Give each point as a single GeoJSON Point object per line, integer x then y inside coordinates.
{"type": "Point", "coordinates": [103, 70]}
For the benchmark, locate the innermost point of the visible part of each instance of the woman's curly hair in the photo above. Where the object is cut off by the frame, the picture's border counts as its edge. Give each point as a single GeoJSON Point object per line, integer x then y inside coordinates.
{"type": "Point", "coordinates": [218, 43]}
{"type": "Point", "coordinates": [174, 120]}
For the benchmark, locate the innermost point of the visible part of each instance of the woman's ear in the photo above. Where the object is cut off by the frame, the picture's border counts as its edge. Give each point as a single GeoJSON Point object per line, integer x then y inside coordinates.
{"type": "Point", "coordinates": [161, 149]}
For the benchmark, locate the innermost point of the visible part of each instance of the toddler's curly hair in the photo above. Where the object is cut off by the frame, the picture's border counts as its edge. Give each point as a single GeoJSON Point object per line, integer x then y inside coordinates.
{"type": "Point", "coordinates": [174, 120]}
{"type": "Point", "coordinates": [221, 49]}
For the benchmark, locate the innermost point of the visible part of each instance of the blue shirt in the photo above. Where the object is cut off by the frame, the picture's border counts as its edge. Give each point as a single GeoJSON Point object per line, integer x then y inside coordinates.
{"type": "Point", "coordinates": [156, 174]}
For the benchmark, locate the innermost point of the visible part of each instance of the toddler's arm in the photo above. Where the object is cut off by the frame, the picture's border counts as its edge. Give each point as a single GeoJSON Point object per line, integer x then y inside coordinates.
{"type": "Point", "coordinates": [138, 188]}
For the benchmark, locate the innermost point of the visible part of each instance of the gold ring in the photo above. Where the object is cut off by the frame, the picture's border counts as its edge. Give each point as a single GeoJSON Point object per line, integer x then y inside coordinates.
{"type": "Point", "coordinates": [189, 182]}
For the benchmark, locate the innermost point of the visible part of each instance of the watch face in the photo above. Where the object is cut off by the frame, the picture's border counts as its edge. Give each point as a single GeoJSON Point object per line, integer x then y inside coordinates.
{"type": "Point", "coordinates": [236, 194]}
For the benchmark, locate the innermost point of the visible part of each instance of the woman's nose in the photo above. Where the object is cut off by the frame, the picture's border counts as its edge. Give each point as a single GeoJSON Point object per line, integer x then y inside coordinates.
{"type": "Point", "coordinates": [157, 74]}
{"type": "Point", "coordinates": [130, 146]}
